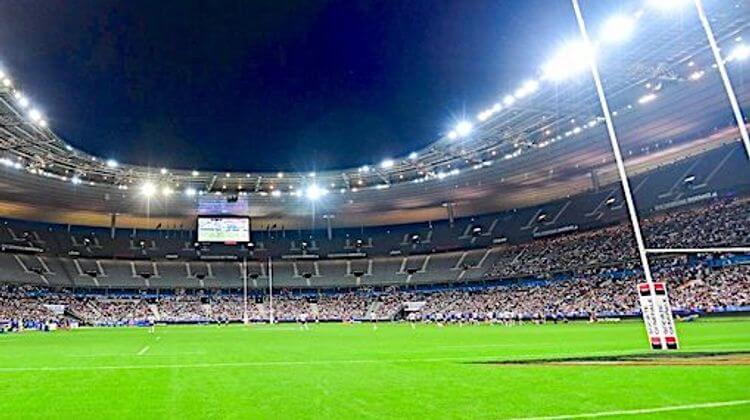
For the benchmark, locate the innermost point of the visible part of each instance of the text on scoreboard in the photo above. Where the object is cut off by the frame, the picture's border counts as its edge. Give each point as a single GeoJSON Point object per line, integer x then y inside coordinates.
{"type": "Point", "coordinates": [223, 229]}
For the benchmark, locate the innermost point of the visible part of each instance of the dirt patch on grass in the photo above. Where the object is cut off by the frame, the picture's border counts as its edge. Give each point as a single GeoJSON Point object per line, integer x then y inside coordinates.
{"type": "Point", "coordinates": [646, 359]}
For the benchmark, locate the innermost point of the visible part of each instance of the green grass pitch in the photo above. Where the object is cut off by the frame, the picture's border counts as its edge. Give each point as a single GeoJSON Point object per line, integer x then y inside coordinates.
{"type": "Point", "coordinates": [338, 371]}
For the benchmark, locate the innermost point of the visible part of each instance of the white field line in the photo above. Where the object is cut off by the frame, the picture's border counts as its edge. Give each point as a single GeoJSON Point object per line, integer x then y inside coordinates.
{"type": "Point", "coordinates": [143, 351]}
{"type": "Point", "coordinates": [174, 354]}
{"type": "Point", "coordinates": [700, 406]}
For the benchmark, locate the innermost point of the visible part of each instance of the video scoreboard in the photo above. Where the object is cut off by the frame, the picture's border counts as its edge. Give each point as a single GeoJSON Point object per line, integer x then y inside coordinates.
{"type": "Point", "coordinates": [223, 229]}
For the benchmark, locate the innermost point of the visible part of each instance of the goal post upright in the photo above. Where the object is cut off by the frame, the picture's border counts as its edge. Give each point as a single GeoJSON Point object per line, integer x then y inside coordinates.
{"type": "Point", "coordinates": [244, 285]}
{"type": "Point", "coordinates": [736, 110]}
{"type": "Point", "coordinates": [625, 183]}
{"type": "Point", "coordinates": [270, 291]}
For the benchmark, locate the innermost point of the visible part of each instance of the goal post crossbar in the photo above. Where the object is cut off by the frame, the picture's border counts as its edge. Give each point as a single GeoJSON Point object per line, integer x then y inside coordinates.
{"type": "Point", "coordinates": [717, 250]}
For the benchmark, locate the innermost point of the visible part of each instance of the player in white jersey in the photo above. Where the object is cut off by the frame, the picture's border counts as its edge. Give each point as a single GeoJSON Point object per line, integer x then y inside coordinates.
{"type": "Point", "coordinates": [151, 321]}
{"type": "Point", "coordinates": [303, 321]}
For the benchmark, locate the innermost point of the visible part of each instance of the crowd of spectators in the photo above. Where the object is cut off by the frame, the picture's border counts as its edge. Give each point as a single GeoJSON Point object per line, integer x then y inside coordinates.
{"type": "Point", "coordinates": [574, 275]}
{"type": "Point", "coordinates": [606, 293]}
{"type": "Point", "coordinates": [721, 223]}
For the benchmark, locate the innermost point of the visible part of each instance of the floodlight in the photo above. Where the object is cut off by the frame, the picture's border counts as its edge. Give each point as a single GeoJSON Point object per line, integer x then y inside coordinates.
{"type": "Point", "coordinates": [646, 98]}
{"type": "Point", "coordinates": [387, 163]}
{"type": "Point", "coordinates": [740, 52]}
{"type": "Point", "coordinates": [572, 59]}
{"type": "Point", "coordinates": [148, 189]}
{"type": "Point", "coordinates": [452, 135]}
{"type": "Point", "coordinates": [280, 175]}
{"type": "Point", "coordinates": [75, 180]}
{"type": "Point", "coordinates": [314, 192]}
{"type": "Point", "coordinates": [697, 75]}
{"type": "Point", "coordinates": [195, 173]}
{"type": "Point", "coordinates": [190, 191]}
{"type": "Point", "coordinates": [413, 155]}
{"type": "Point", "coordinates": [275, 193]}
{"type": "Point", "coordinates": [35, 114]}
{"type": "Point", "coordinates": [463, 128]}
{"type": "Point", "coordinates": [618, 28]}
{"type": "Point", "coordinates": [163, 171]}
{"type": "Point", "coordinates": [111, 163]}
{"type": "Point", "coordinates": [43, 123]}
{"type": "Point", "coordinates": [166, 191]}
{"type": "Point", "coordinates": [529, 87]}
{"type": "Point", "coordinates": [508, 100]}
{"type": "Point", "coordinates": [7, 82]}
{"type": "Point", "coordinates": [22, 101]}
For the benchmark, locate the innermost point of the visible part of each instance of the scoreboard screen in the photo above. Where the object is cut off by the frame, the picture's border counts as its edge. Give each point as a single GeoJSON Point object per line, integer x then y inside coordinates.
{"type": "Point", "coordinates": [223, 229]}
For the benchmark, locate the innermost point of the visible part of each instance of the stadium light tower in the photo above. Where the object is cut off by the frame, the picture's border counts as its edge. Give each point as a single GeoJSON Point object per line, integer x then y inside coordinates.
{"type": "Point", "coordinates": [660, 328]}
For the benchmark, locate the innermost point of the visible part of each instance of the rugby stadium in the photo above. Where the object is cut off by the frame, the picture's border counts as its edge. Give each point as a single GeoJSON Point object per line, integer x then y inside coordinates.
{"type": "Point", "coordinates": [578, 248]}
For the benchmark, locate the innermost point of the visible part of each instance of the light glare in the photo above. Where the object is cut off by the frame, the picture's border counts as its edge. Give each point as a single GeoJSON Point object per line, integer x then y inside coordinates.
{"type": "Point", "coordinates": [463, 128]}
{"type": "Point", "coordinates": [618, 28]}
{"type": "Point", "coordinates": [148, 189]}
{"type": "Point", "coordinates": [570, 60]}
{"type": "Point", "coordinates": [314, 192]}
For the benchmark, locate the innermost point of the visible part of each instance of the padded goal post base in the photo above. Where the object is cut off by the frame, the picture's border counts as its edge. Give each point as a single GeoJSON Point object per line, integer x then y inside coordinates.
{"type": "Point", "coordinates": [657, 315]}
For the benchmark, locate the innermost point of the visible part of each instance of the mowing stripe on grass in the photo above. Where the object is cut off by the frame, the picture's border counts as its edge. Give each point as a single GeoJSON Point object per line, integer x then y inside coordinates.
{"type": "Point", "coordinates": [634, 412]}
{"type": "Point", "coordinates": [143, 351]}
{"type": "Point", "coordinates": [466, 359]}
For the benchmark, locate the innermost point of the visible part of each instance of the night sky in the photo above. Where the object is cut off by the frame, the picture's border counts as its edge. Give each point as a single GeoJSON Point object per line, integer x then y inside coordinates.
{"type": "Point", "coordinates": [267, 85]}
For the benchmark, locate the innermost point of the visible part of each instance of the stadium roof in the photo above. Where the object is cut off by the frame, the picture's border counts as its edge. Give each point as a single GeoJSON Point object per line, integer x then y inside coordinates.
{"type": "Point", "coordinates": [539, 142]}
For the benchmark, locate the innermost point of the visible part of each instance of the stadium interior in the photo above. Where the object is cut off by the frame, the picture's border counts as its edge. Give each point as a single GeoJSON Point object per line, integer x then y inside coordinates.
{"type": "Point", "coordinates": [516, 215]}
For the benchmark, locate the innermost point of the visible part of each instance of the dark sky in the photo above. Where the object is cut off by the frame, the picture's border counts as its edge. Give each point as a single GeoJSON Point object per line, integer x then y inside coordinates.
{"type": "Point", "coordinates": [289, 85]}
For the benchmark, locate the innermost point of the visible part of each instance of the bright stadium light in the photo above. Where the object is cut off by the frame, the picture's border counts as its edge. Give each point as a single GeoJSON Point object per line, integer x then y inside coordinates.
{"type": "Point", "coordinates": [452, 135]}
{"type": "Point", "coordinates": [618, 28]}
{"type": "Point", "coordinates": [387, 163]}
{"type": "Point", "coordinates": [75, 180]}
{"type": "Point", "coordinates": [314, 192]}
{"type": "Point", "coordinates": [571, 60]}
{"type": "Point", "coordinates": [413, 155]}
{"type": "Point", "coordinates": [190, 192]}
{"type": "Point", "coordinates": [111, 163]}
{"type": "Point", "coordinates": [276, 193]}
{"type": "Point", "coordinates": [22, 101]}
{"type": "Point", "coordinates": [463, 128]}
{"type": "Point", "coordinates": [646, 98]}
{"type": "Point", "coordinates": [740, 52]}
{"type": "Point", "coordinates": [148, 189]}
{"type": "Point", "coordinates": [163, 171]}
{"type": "Point", "coordinates": [508, 100]}
{"type": "Point", "coordinates": [35, 114]}
{"type": "Point", "coordinates": [195, 173]}
{"type": "Point", "coordinates": [697, 75]}
{"type": "Point", "coordinates": [7, 82]}
{"type": "Point", "coordinates": [166, 191]}
{"type": "Point", "coordinates": [529, 87]}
